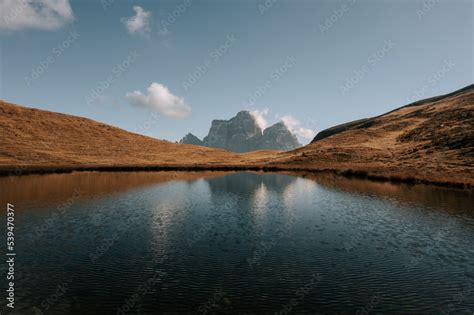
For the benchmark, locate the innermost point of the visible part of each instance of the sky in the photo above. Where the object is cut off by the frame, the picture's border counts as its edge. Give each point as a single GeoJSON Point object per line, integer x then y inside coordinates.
{"type": "Point", "coordinates": [166, 68]}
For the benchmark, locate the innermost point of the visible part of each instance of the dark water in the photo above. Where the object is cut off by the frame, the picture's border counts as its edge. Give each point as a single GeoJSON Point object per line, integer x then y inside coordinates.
{"type": "Point", "coordinates": [99, 243]}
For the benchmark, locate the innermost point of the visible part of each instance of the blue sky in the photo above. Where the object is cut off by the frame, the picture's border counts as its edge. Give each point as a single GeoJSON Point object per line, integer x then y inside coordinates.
{"type": "Point", "coordinates": [165, 68]}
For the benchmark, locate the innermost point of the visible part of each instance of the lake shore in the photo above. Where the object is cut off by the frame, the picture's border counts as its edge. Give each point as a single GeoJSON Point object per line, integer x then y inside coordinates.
{"type": "Point", "coordinates": [394, 176]}
{"type": "Point", "coordinates": [429, 141]}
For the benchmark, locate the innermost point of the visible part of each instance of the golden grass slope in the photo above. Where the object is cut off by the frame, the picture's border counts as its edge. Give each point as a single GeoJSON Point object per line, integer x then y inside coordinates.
{"type": "Point", "coordinates": [432, 140]}
{"type": "Point", "coordinates": [36, 139]}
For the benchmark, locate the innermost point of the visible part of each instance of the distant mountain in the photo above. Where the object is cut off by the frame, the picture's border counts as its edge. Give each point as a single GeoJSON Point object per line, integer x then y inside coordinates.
{"type": "Point", "coordinates": [242, 134]}
{"type": "Point", "coordinates": [35, 140]}
{"type": "Point", "coordinates": [278, 137]}
{"type": "Point", "coordinates": [429, 141]}
{"type": "Point", "coordinates": [237, 134]}
{"type": "Point", "coordinates": [191, 139]}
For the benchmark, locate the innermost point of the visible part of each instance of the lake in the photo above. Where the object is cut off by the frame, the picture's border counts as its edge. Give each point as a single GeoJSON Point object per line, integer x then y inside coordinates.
{"type": "Point", "coordinates": [214, 242]}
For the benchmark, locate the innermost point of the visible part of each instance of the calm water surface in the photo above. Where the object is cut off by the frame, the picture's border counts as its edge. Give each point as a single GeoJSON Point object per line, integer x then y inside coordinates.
{"type": "Point", "coordinates": [99, 243]}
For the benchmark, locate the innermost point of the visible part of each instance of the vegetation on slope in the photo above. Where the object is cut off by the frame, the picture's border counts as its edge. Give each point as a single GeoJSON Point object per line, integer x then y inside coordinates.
{"type": "Point", "coordinates": [429, 141]}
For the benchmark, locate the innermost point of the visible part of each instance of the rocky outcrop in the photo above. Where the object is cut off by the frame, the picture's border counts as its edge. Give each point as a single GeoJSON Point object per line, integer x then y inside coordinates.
{"type": "Point", "coordinates": [217, 136]}
{"type": "Point", "coordinates": [191, 139]}
{"type": "Point", "coordinates": [242, 134]}
{"type": "Point", "coordinates": [237, 134]}
{"type": "Point", "coordinates": [278, 137]}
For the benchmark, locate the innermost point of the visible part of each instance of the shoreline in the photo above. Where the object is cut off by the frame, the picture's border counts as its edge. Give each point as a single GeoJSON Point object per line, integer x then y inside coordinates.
{"type": "Point", "coordinates": [348, 173]}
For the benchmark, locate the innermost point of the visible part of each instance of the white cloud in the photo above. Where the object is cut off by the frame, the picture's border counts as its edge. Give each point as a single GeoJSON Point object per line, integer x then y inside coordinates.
{"type": "Point", "coordinates": [139, 23]}
{"type": "Point", "coordinates": [160, 99]}
{"type": "Point", "coordinates": [260, 117]}
{"type": "Point", "coordinates": [17, 15]}
{"type": "Point", "coordinates": [294, 125]}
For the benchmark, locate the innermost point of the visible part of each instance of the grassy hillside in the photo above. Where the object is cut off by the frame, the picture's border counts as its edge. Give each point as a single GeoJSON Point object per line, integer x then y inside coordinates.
{"type": "Point", "coordinates": [36, 139]}
{"type": "Point", "coordinates": [429, 141]}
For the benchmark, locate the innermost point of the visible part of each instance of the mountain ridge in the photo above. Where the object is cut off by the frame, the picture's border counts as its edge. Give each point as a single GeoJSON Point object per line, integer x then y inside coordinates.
{"type": "Point", "coordinates": [364, 122]}
{"type": "Point", "coordinates": [241, 133]}
{"type": "Point", "coordinates": [432, 142]}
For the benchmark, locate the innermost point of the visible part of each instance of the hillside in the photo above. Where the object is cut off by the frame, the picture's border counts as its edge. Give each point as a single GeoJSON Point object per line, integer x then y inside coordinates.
{"type": "Point", "coordinates": [429, 141]}
{"type": "Point", "coordinates": [34, 139]}
{"type": "Point", "coordinates": [432, 139]}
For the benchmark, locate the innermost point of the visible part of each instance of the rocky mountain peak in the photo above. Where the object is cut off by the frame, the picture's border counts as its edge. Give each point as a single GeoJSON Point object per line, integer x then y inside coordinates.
{"type": "Point", "coordinates": [191, 139]}
{"type": "Point", "coordinates": [279, 137]}
{"type": "Point", "coordinates": [243, 113]}
{"type": "Point", "coordinates": [241, 133]}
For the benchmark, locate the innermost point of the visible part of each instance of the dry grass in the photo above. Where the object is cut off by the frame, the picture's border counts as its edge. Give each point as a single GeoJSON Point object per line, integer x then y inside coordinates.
{"type": "Point", "coordinates": [431, 142]}
{"type": "Point", "coordinates": [37, 139]}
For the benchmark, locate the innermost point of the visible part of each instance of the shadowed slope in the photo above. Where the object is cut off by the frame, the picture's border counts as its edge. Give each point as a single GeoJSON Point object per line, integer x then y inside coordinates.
{"type": "Point", "coordinates": [365, 122]}
{"type": "Point", "coordinates": [431, 139]}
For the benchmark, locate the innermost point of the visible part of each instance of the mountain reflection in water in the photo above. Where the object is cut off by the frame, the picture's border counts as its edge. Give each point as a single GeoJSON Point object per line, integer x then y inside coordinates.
{"type": "Point", "coordinates": [239, 242]}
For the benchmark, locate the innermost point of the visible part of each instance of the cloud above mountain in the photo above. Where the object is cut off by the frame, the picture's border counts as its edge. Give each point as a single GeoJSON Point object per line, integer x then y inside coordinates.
{"type": "Point", "coordinates": [16, 15]}
{"type": "Point", "coordinates": [160, 99]}
{"type": "Point", "coordinates": [260, 117]}
{"type": "Point", "coordinates": [294, 125]}
{"type": "Point", "coordinates": [139, 24]}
